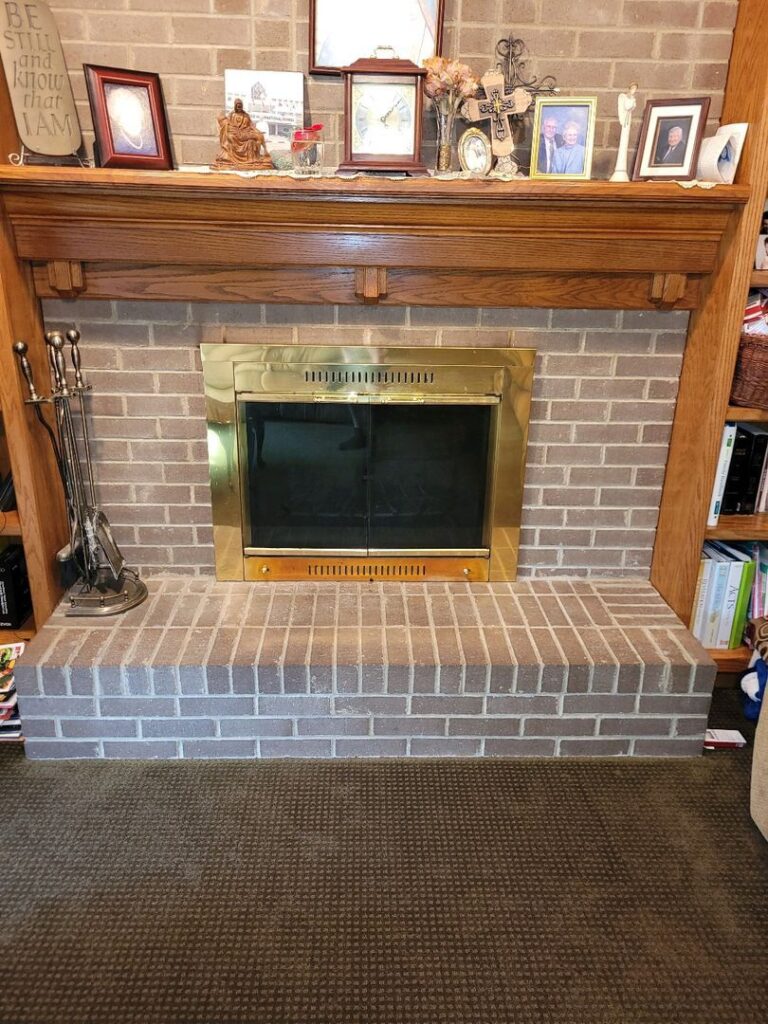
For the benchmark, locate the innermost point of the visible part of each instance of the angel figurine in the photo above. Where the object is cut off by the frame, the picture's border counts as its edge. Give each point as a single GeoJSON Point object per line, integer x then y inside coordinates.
{"type": "Point", "coordinates": [627, 103]}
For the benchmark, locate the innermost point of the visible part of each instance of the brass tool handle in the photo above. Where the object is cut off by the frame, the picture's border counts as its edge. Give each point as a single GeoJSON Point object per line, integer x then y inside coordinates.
{"type": "Point", "coordinates": [56, 352]}
{"type": "Point", "coordinates": [21, 348]}
{"type": "Point", "coordinates": [73, 337]}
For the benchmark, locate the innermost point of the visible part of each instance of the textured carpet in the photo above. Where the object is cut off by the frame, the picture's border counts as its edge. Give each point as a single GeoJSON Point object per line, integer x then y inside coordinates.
{"type": "Point", "coordinates": [549, 892]}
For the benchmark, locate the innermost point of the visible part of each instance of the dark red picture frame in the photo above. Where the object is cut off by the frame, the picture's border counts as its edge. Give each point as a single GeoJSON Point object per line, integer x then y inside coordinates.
{"type": "Point", "coordinates": [96, 80]}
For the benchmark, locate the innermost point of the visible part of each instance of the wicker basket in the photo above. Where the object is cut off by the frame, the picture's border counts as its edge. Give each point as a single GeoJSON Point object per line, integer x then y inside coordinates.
{"type": "Point", "coordinates": [750, 382]}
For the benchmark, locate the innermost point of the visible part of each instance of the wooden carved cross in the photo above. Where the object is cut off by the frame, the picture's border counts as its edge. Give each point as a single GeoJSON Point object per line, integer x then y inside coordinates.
{"type": "Point", "coordinates": [497, 108]}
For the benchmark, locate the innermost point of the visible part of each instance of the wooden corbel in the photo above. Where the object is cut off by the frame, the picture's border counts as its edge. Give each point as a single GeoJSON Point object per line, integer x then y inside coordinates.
{"type": "Point", "coordinates": [66, 277]}
{"type": "Point", "coordinates": [371, 284]}
{"type": "Point", "coordinates": [667, 289]}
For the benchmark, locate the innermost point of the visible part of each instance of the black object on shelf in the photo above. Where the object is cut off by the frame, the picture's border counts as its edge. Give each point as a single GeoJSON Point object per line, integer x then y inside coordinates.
{"type": "Point", "coordinates": [7, 494]}
{"type": "Point", "coordinates": [15, 596]}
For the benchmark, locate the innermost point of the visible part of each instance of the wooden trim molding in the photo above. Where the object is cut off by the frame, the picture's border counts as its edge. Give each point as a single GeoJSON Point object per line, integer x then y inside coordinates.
{"type": "Point", "coordinates": [415, 241]}
{"type": "Point", "coordinates": [65, 278]}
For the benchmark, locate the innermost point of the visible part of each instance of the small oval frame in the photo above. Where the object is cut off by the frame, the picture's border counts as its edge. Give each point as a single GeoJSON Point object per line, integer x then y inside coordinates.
{"type": "Point", "coordinates": [475, 133]}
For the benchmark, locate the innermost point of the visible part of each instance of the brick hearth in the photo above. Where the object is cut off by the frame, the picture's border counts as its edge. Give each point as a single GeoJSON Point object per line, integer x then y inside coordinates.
{"type": "Point", "coordinates": [207, 669]}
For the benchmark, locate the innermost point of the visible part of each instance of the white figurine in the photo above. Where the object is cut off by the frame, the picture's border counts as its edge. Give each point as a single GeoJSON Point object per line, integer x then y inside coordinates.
{"type": "Point", "coordinates": [627, 103]}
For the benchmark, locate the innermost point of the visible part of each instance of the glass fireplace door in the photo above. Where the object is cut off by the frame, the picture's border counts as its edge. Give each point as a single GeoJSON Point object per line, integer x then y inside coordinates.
{"type": "Point", "coordinates": [359, 477]}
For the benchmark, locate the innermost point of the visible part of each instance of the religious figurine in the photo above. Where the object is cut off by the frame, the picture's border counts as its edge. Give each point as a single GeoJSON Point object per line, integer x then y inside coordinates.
{"type": "Point", "coordinates": [498, 107]}
{"type": "Point", "coordinates": [242, 147]}
{"type": "Point", "coordinates": [626, 104]}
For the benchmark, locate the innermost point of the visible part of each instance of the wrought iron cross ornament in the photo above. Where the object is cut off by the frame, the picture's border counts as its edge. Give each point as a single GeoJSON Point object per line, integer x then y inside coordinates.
{"type": "Point", "coordinates": [497, 108]}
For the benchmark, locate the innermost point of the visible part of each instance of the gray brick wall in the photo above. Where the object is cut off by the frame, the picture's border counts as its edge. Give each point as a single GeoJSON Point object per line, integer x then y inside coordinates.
{"type": "Point", "coordinates": [594, 47]}
{"type": "Point", "coordinates": [605, 391]}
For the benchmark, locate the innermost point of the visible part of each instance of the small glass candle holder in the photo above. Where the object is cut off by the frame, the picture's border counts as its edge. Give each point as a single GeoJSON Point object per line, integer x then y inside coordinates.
{"type": "Point", "coordinates": [307, 150]}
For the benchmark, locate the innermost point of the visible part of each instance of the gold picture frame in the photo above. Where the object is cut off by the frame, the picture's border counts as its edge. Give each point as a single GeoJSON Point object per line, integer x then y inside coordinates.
{"type": "Point", "coordinates": [475, 153]}
{"type": "Point", "coordinates": [574, 118]}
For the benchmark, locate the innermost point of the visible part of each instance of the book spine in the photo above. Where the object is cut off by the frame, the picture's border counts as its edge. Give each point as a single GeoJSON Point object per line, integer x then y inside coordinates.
{"type": "Point", "coordinates": [742, 603]}
{"type": "Point", "coordinates": [715, 604]}
{"type": "Point", "coordinates": [734, 485]}
{"type": "Point", "coordinates": [754, 475]}
{"type": "Point", "coordinates": [732, 589]}
{"type": "Point", "coordinates": [721, 475]}
{"type": "Point", "coordinates": [700, 601]}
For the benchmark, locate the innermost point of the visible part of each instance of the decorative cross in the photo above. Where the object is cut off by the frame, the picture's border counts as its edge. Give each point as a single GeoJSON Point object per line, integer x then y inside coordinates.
{"type": "Point", "coordinates": [497, 108]}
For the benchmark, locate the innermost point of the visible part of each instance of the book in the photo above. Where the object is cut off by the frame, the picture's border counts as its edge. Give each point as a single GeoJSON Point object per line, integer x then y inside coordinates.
{"type": "Point", "coordinates": [737, 474]}
{"type": "Point", "coordinates": [733, 620]}
{"type": "Point", "coordinates": [723, 466]}
{"type": "Point", "coordinates": [11, 729]}
{"type": "Point", "coordinates": [723, 739]}
{"type": "Point", "coordinates": [728, 606]}
{"type": "Point", "coordinates": [715, 594]}
{"type": "Point", "coordinates": [700, 599]}
{"type": "Point", "coordinates": [755, 468]}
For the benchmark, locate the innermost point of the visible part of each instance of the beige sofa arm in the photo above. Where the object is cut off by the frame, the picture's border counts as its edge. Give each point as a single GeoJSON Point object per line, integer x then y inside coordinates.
{"type": "Point", "coordinates": [759, 793]}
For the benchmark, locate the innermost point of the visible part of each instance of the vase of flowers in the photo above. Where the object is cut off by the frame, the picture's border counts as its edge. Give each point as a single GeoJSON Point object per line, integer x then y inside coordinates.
{"type": "Point", "coordinates": [448, 84]}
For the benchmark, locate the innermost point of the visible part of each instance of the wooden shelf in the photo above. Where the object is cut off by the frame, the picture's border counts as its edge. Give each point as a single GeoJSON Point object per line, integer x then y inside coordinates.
{"type": "Point", "coordinates": [10, 524]}
{"type": "Point", "coordinates": [739, 528]}
{"type": "Point", "coordinates": [731, 661]}
{"type": "Point", "coordinates": [736, 412]}
{"type": "Point", "coordinates": [759, 279]}
{"type": "Point", "coordinates": [24, 632]}
{"type": "Point", "coordinates": [189, 236]}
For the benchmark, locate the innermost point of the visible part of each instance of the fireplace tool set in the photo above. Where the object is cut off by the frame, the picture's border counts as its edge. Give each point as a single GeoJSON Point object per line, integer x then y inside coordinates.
{"type": "Point", "coordinates": [103, 585]}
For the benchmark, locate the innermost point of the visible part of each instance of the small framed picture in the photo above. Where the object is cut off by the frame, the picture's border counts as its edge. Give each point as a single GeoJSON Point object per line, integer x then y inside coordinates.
{"type": "Point", "coordinates": [563, 137]}
{"type": "Point", "coordinates": [475, 155]}
{"type": "Point", "coordinates": [129, 119]}
{"type": "Point", "coordinates": [343, 31]}
{"type": "Point", "coordinates": [761, 254]}
{"type": "Point", "coordinates": [670, 138]}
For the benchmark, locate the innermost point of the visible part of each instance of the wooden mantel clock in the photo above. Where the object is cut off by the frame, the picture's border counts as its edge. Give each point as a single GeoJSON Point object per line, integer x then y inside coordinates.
{"type": "Point", "coordinates": [383, 103]}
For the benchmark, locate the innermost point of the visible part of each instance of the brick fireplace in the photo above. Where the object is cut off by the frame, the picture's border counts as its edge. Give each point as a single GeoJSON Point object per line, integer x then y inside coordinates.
{"type": "Point", "coordinates": [593, 663]}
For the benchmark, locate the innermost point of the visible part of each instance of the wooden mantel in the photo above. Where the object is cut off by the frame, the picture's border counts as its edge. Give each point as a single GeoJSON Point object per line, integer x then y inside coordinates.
{"type": "Point", "coordinates": [178, 236]}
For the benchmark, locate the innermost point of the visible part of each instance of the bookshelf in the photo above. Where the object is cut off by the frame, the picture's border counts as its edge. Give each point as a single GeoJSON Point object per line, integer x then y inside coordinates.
{"type": "Point", "coordinates": [709, 362]}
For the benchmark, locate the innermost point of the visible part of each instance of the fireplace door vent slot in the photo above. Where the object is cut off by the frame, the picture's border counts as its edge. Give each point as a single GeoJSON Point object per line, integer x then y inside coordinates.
{"type": "Point", "coordinates": [369, 377]}
{"type": "Point", "coordinates": [367, 570]}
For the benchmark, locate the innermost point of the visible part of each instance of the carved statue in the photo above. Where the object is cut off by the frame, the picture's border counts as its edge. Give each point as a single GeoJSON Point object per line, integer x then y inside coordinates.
{"type": "Point", "coordinates": [242, 147]}
{"type": "Point", "coordinates": [626, 104]}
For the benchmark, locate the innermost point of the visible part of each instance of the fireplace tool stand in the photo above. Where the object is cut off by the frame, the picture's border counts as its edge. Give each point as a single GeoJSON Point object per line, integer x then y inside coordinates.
{"type": "Point", "coordinates": [104, 584]}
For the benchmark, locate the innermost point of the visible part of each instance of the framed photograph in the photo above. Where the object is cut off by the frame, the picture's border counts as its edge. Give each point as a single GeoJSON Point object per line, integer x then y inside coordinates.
{"type": "Point", "coordinates": [128, 119]}
{"type": "Point", "coordinates": [343, 31]}
{"type": "Point", "coordinates": [274, 101]}
{"type": "Point", "coordinates": [761, 253]}
{"type": "Point", "coordinates": [563, 137]}
{"type": "Point", "coordinates": [670, 138]}
{"type": "Point", "coordinates": [475, 155]}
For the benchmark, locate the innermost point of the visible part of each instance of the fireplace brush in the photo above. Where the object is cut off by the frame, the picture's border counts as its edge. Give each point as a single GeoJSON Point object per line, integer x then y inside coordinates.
{"type": "Point", "coordinates": [104, 584]}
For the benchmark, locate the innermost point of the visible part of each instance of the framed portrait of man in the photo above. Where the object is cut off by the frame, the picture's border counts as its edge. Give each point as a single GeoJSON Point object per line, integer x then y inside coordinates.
{"type": "Point", "coordinates": [343, 31]}
{"type": "Point", "coordinates": [563, 137]}
{"type": "Point", "coordinates": [670, 138]}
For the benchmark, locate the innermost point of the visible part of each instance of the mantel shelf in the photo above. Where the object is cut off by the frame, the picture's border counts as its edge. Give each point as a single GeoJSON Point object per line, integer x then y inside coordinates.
{"type": "Point", "coordinates": [104, 234]}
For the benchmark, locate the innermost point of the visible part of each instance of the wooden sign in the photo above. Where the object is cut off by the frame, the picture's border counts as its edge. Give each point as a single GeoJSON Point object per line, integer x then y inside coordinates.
{"type": "Point", "coordinates": [38, 82]}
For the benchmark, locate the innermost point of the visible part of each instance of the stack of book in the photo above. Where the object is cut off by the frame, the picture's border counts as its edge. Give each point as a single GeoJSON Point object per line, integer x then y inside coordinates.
{"type": "Point", "coordinates": [10, 722]}
{"type": "Point", "coordinates": [741, 482]}
{"type": "Point", "coordinates": [732, 587]}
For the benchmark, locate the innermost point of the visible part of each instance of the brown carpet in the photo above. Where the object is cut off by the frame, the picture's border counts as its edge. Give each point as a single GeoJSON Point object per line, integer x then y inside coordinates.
{"type": "Point", "coordinates": [513, 891]}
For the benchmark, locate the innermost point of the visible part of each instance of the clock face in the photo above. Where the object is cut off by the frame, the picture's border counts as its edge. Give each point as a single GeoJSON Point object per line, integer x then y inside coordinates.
{"type": "Point", "coordinates": [383, 116]}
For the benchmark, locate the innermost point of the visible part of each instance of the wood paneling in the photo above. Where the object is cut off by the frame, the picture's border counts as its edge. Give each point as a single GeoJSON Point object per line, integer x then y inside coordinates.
{"type": "Point", "coordinates": [714, 332]}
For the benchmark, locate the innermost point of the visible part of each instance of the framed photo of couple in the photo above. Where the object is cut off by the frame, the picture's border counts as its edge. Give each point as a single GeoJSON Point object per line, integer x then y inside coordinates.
{"type": "Point", "coordinates": [670, 139]}
{"type": "Point", "coordinates": [563, 137]}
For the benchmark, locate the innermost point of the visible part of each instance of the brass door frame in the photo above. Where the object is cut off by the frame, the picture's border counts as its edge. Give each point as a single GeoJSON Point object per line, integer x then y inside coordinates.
{"type": "Point", "coordinates": [237, 374]}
